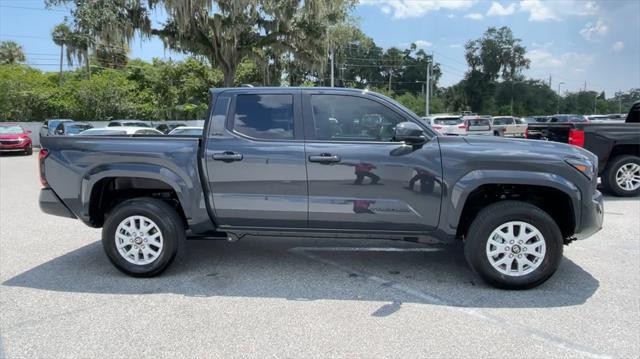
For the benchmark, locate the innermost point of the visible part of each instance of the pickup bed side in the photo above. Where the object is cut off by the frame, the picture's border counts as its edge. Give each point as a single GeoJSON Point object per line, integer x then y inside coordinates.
{"type": "Point", "coordinates": [108, 170]}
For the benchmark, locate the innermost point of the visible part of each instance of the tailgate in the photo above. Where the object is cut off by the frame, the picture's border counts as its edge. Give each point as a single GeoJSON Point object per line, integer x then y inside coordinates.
{"type": "Point", "coordinates": [550, 132]}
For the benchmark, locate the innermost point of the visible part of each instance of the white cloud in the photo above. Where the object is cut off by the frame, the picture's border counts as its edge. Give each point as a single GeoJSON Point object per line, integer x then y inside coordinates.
{"type": "Point", "coordinates": [474, 16]}
{"type": "Point", "coordinates": [537, 10]}
{"type": "Point", "coordinates": [451, 16]}
{"type": "Point", "coordinates": [498, 10]}
{"type": "Point", "coordinates": [413, 8]}
{"type": "Point", "coordinates": [543, 59]}
{"type": "Point", "coordinates": [455, 46]}
{"type": "Point", "coordinates": [618, 46]}
{"type": "Point", "coordinates": [591, 31]}
{"type": "Point", "coordinates": [422, 43]}
{"type": "Point", "coordinates": [556, 10]}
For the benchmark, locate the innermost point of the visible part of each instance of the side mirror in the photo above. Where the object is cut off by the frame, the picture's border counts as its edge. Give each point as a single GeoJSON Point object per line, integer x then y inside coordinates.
{"type": "Point", "coordinates": [59, 132]}
{"type": "Point", "coordinates": [409, 133]}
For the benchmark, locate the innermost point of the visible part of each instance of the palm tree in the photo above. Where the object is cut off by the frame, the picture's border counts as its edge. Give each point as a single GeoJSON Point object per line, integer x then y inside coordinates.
{"type": "Point", "coordinates": [60, 36]}
{"type": "Point", "coordinates": [11, 53]}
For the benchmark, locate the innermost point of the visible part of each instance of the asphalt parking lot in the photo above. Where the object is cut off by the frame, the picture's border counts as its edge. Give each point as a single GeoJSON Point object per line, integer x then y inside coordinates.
{"type": "Point", "coordinates": [271, 297]}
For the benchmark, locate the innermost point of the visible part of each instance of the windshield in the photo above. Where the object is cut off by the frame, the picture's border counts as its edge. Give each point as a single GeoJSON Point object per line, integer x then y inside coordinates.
{"type": "Point", "coordinates": [10, 129]}
{"type": "Point", "coordinates": [447, 121]}
{"type": "Point", "coordinates": [503, 121]}
{"type": "Point", "coordinates": [74, 129]}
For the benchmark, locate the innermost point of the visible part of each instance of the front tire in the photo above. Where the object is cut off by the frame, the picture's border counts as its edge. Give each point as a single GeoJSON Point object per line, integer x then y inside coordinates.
{"type": "Point", "coordinates": [141, 236]}
{"type": "Point", "coordinates": [28, 151]}
{"type": "Point", "coordinates": [513, 245]}
{"type": "Point", "coordinates": [622, 176]}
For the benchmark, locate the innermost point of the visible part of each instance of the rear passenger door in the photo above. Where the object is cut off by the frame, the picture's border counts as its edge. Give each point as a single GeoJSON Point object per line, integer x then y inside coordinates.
{"type": "Point", "coordinates": [255, 160]}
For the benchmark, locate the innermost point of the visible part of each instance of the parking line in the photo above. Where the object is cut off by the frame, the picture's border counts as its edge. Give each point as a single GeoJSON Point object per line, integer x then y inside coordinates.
{"type": "Point", "coordinates": [548, 338]}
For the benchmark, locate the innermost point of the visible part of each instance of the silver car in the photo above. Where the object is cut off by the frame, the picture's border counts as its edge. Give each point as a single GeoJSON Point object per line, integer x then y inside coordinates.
{"type": "Point", "coordinates": [477, 125]}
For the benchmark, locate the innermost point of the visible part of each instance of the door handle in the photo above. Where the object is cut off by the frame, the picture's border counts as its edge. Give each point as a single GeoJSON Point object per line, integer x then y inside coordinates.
{"type": "Point", "coordinates": [325, 158]}
{"type": "Point", "coordinates": [227, 156]}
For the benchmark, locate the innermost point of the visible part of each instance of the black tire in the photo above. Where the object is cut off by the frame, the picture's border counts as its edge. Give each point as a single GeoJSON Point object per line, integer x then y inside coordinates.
{"type": "Point", "coordinates": [609, 176]}
{"type": "Point", "coordinates": [28, 151]}
{"type": "Point", "coordinates": [493, 216]}
{"type": "Point", "coordinates": [165, 217]}
{"type": "Point", "coordinates": [496, 133]}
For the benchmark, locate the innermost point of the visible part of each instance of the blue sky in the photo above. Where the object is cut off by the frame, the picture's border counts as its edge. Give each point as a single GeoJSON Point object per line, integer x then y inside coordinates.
{"type": "Point", "coordinates": [572, 41]}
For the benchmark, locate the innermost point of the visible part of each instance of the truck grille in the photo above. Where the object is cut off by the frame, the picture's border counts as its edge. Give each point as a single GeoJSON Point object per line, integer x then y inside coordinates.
{"type": "Point", "coordinates": [9, 142]}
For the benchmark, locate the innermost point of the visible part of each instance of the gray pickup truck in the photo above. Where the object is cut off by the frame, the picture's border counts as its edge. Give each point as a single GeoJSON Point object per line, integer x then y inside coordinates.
{"type": "Point", "coordinates": [321, 162]}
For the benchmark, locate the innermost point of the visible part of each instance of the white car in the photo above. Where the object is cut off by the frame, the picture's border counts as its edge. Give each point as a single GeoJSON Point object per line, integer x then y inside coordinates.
{"type": "Point", "coordinates": [508, 126]}
{"type": "Point", "coordinates": [446, 124]}
{"type": "Point", "coordinates": [187, 131]}
{"type": "Point", "coordinates": [113, 131]}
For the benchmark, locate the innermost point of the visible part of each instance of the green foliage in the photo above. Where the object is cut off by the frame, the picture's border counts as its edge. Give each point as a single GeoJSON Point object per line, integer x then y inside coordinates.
{"type": "Point", "coordinates": [161, 90]}
{"type": "Point", "coordinates": [11, 53]}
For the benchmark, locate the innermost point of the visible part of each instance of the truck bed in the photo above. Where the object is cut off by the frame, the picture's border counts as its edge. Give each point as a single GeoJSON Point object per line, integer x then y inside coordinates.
{"type": "Point", "coordinates": [80, 161]}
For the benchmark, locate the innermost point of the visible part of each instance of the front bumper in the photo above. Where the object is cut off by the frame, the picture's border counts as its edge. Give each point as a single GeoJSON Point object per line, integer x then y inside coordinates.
{"type": "Point", "coordinates": [50, 203]}
{"type": "Point", "coordinates": [592, 216]}
{"type": "Point", "coordinates": [15, 147]}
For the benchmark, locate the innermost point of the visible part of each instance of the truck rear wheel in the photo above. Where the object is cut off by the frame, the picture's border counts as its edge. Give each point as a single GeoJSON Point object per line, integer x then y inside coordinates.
{"type": "Point", "coordinates": [622, 176]}
{"type": "Point", "coordinates": [141, 236]}
{"type": "Point", "coordinates": [513, 245]}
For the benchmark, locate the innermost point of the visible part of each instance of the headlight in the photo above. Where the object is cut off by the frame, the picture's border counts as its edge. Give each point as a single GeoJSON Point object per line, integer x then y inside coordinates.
{"type": "Point", "coordinates": [21, 139]}
{"type": "Point", "coordinates": [583, 165]}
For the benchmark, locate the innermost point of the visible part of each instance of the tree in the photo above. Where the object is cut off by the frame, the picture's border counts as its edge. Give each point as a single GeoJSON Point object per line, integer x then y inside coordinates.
{"type": "Point", "coordinates": [223, 31]}
{"type": "Point", "coordinates": [11, 53]}
{"type": "Point", "coordinates": [60, 36]}
{"type": "Point", "coordinates": [114, 56]}
{"type": "Point", "coordinates": [497, 54]}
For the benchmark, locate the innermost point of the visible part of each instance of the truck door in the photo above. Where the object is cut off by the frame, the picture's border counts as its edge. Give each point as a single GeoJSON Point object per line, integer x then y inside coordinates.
{"type": "Point", "coordinates": [359, 178]}
{"type": "Point", "coordinates": [255, 160]}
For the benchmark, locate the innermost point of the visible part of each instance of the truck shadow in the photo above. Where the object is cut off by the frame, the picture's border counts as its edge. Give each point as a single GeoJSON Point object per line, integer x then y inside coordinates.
{"type": "Point", "coordinates": [310, 269]}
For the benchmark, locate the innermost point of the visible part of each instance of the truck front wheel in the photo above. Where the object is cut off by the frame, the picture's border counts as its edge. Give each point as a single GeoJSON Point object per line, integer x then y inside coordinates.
{"type": "Point", "coordinates": [141, 236]}
{"type": "Point", "coordinates": [622, 176]}
{"type": "Point", "coordinates": [513, 245]}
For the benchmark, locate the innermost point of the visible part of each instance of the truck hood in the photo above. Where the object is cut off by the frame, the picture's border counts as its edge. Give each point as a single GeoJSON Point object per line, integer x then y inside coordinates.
{"type": "Point", "coordinates": [528, 148]}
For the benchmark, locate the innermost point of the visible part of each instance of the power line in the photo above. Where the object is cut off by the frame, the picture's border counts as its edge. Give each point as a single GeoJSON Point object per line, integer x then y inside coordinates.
{"type": "Point", "coordinates": [30, 8]}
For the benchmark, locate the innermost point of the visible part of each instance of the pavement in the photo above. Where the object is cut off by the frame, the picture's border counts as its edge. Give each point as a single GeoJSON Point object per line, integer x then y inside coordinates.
{"type": "Point", "coordinates": [277, 297]}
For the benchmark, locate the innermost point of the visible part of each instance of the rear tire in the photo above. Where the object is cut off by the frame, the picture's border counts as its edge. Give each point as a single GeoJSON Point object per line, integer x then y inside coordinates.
{"type": "Point", "coordinates": [141, 236]}
{"type": "Point", "coordinates": [535, 260]}
{"type": "Point", "coordinates": [613, 176]}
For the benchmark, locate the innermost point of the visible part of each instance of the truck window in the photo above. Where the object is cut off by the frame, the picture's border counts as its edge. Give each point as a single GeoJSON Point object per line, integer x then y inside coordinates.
{"type": "Point", "coordinates": [219, 116]}
{"type": "Point", "coordinates": [351, 118]}
{"type": "Point", "coordinates": [268, 117]}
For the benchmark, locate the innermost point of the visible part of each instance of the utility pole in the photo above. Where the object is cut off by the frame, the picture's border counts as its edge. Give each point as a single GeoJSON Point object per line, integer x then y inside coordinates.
{"type": "Point", "coordinates": [595, 104]}
{"type": "Point", "coordinates": [61, 59]}
{"type": "Point", "coordinates": [427, 92]}
{"type": "Point", "coordinates": [619, 101]}
{"type": "Point", "coordinates": [559, 84]}
{"type": "Point", "coordinates": [585, 85]}
{"type": "Point", "coordinates": [549, 80]}
{"type": "Point", "coordinates": [331, 57]}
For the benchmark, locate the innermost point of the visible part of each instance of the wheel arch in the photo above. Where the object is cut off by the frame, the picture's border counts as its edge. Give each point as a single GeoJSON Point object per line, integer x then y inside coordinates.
{"type": "Point", "coordinates": [479, 188]}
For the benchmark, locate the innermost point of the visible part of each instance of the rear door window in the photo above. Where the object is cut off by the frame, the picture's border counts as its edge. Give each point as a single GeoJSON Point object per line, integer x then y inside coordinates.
{"type": "Point", "coordinates": [264, 116]}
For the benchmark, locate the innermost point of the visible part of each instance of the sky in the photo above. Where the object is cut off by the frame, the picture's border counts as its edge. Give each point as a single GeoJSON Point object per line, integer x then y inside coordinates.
{"type": "Point", "coordinates": [575, 42]}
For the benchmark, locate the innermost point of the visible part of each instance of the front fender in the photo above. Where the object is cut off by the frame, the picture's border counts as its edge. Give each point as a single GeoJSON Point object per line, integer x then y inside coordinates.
{"type": "Point", "coordinates": [453, 205]}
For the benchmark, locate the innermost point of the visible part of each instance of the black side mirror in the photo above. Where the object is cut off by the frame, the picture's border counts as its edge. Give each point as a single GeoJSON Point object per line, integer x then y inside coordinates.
{"type": "Point", "coordinates": [409, 133]}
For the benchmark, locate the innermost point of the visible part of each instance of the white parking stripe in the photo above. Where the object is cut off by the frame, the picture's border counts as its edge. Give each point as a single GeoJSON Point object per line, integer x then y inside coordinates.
{"type": "Point", "coordinates": [433, 299]}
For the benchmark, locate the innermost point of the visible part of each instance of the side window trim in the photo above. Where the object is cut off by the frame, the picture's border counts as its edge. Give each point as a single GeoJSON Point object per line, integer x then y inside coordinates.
{"type": "Point", "coordinates": [309, 121]}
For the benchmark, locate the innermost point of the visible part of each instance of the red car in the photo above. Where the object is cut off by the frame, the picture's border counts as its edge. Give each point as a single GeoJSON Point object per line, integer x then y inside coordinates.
{"type": "Point", "coordinates": [14, 138]}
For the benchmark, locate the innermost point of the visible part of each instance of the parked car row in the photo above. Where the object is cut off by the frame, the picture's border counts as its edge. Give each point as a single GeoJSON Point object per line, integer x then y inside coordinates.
{"type": "Point", "coordinates": [66, 127]}
{"type": "Point", "coordinates": [456, 125]}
